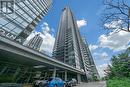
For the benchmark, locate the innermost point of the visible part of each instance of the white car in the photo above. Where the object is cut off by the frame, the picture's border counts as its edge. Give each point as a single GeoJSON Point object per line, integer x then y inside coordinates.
{"type": "Point", "coordinates": [40, 83]}
{"type": "Point", "coordinates": [72, 82]}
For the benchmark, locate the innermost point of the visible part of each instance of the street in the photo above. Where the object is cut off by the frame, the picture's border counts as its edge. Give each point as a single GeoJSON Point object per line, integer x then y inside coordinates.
{"type": "Point", "coordinates": [92, 84]}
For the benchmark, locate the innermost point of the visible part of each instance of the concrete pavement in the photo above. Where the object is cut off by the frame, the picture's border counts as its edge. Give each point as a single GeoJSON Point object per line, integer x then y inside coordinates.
{"type": "Point", "coordinates": [92, 84]}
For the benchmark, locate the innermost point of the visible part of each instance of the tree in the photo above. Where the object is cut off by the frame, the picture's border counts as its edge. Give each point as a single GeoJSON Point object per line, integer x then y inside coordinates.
{"type": "Point", "coordinates": [120, 65]}
{"type": "Point", "coordinates": [94, 77]}
{"type": "Point", "coordinates": [116, 15]}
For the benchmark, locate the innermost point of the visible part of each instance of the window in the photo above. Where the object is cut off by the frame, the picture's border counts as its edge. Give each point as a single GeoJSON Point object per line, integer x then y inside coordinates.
{"type": "Point", "coordinates": [2, 21]}
{"type": "Point", "coordinates": [10, 26]}
{"type": "Point", "coordinates": [17, 30]}
{"type": "Point", "coordinates": [19, 20]}
{"type": "Point", "coordinates": [24, 23]}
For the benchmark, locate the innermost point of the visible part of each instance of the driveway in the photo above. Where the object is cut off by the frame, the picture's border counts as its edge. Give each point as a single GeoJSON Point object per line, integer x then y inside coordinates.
{"type": "Point", "coordinates": [92, 84]}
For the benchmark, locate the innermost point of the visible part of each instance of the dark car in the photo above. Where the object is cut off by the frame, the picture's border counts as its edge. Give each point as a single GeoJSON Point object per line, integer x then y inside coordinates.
{"type": "Point", "coordinates": [72, 82]}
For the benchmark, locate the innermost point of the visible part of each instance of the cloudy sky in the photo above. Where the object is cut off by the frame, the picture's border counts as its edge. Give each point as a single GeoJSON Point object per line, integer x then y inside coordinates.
{"type": "Point", "coordinates": [87, 14]}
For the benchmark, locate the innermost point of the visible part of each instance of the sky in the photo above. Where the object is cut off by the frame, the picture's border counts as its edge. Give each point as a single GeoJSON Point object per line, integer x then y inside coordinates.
{"type": "Point", "coordinates": [87, 13]}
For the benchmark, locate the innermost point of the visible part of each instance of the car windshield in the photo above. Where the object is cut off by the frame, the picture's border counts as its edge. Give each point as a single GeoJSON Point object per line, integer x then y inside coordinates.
{"type": "Point", "coordinates": [73, 79]}
{"type": "Point", "coordinates": [50, 79]}
{"type": "Point", "coordinates": [57, 79]}
{"type": "Point", "coordinates": [42, 79]}
{"type": "Point", "coordinates": [69, 79]}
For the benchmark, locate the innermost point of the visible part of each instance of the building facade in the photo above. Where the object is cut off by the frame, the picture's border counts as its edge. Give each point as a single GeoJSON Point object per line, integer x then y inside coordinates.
{"type": "Point", "coordinates": [66, 48]}
{"type": "Point", "coordinates": [69, 46]}
{"type": "Point", "coordinates": [90, 66]}
{"type": "Point", "coordinates": [35, 42]}
{"type": "Point", "coordinates": [24, 17]}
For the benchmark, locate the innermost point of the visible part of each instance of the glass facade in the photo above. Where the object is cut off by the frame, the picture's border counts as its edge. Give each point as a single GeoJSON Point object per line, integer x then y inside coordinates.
{"type": "Point", "coordinates": [28, 13]}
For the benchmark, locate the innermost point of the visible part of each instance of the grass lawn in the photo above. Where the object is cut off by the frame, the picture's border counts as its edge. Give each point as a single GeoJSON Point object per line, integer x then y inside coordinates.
{"type": "Point", "coordinates": [116, 82]}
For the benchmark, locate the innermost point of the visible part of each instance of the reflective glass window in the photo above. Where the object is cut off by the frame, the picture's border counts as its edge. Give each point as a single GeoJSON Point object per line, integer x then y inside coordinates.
{"type": "Point", "coordinates": [25, 23]}
{"type": "Point", "coordinates": [3, 21]}
{"type": "Point", "coordinates": [17, 30]}
{"type": "Point", "coordinates": [10, 26]}
{"type": "Point", "coordinates": [19, 19]}
{"type": "Point", "coordinates": [5, 28]}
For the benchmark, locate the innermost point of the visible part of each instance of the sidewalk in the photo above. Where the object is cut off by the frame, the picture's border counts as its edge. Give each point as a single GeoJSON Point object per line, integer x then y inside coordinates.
{"type": "Point", "coordinates": [92, 84]}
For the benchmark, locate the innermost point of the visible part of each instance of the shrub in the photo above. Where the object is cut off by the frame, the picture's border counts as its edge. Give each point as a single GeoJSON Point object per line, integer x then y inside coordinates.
{"type": "Point", "coordinates": [118, 82]}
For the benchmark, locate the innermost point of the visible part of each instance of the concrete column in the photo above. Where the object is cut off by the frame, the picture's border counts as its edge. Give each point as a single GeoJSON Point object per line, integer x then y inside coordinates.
{"type": "Point", "coordinates": [79, 78]}
{"type": "Point", "coordinates": [65, 75]}
{"type": "Point", "coordinates": [3, 70]}
{"type": "Point", "coordinates": [16, 73]}
{"type": "Point", "coordinates": [54, 73]}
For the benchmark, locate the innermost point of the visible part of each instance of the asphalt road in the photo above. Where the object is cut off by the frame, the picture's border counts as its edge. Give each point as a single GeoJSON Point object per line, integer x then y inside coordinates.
{"type": "Point", "coordinates": [92, 84]}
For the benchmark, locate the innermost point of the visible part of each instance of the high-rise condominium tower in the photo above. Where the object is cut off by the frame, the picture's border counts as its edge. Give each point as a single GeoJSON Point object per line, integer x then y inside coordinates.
{"type": "Point", "coordinates": [69, 46]}
{"type": "Point", "coordinates": [35, 42]}
{"type": "Point", "coordinates": [90, 66]}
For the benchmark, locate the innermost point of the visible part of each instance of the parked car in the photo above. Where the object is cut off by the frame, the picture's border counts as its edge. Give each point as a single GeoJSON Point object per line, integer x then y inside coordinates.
{"type": "Point", "coordinates": [40, 83]}
{"type": "Point", "coordinates": [51, 82]}
{"type": "Point", "coordinates": [55, 82]}
{"type": "Point", "coordinates": [72, 82]}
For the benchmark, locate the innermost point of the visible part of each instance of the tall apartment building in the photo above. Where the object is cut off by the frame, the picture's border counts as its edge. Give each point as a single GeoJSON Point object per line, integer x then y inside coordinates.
{"type": "Point", "coordinates": [24, 17]}
{"type": "Point", "coordinates": [88, 61]}
{"type": "Point", "coordinates": [35, 42]}
{"type": "Point", "coordinates": [66, 48]}
{"type": "Point", "coordinates": [69, 46]}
